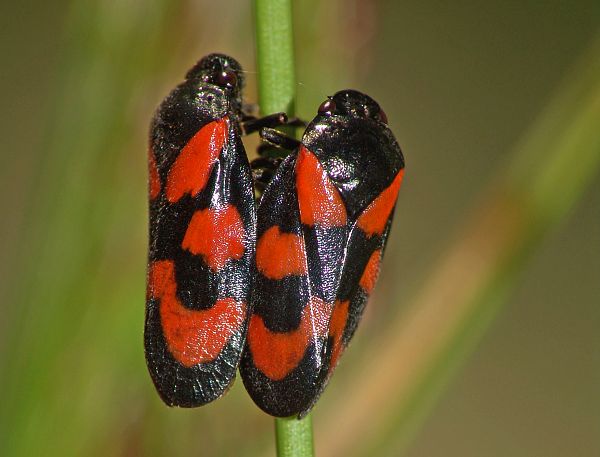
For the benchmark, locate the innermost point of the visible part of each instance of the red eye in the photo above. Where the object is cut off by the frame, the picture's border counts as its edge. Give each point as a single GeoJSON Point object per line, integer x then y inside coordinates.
{"type": "Point", "coordinates": [226, 79]}
{"type": "Point", "coordinates": [328, 106]}
{"type": "Point", "coordinates": [383, 116]}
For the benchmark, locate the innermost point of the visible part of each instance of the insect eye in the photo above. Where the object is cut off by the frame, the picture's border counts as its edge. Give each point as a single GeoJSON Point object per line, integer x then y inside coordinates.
{"type": "Point", "coordinates": [226, 79]}
{"type": "Point", "coordinates": [327, 107]}
{"type": "Point", "coordinates": [383, 116]}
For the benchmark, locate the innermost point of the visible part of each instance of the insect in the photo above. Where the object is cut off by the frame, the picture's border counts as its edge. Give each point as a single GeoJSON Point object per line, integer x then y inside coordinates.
{"type": "Point", "coordinates": [323, 222]}
{"type": "Point", "coordinates": [202, 234]}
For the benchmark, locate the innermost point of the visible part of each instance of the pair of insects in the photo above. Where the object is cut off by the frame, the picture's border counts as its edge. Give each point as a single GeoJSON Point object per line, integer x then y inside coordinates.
{"type": "Point", "coordinates": [277, 290]}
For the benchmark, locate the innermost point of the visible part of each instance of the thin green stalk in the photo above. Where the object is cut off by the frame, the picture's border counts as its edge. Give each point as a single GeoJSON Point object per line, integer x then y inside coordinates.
{"type": "Point", "coordinates": [275, 56]}
{"type": "Point", "coordinates": [294, 437]}
{"type": "Point", "coordinates": [277, 92]}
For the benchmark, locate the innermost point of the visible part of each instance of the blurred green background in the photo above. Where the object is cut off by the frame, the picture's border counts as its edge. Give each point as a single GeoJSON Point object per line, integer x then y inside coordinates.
{"type": "Point", "coordinates": [466, 87]}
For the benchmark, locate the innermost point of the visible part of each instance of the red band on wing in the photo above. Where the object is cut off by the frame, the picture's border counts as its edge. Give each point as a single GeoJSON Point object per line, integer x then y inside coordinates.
{"type": "Point", "coordinates": [336, 330]}
{"type": "Point", "coordinates": [154, 179]}
{"type": "Point", "coordinates": [319, 200]}
{"type": "Point", "coordinates": [217, 235]}
{"type": "Point", "coordinates": [374, 219]}
{"type": "Point", "coordinates": [192, 336]}
{"type": "Point", "coordinates": [191, 170]}
{"type": "Point", "coordinates": [277, 354]}
{"type": "Point", "coordinates": [280, 254]}
{"type": "Point", "coordinates": [369, 276]}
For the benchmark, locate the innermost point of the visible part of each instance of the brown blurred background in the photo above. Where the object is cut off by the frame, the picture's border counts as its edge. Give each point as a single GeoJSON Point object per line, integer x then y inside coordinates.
{"type": "Point", "coordinates": [462, 84]}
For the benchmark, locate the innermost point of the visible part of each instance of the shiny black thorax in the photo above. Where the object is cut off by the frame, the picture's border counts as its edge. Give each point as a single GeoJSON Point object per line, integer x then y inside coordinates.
{"type": "Point", "coordinates": [360, 156]}
{"type": "Point", "coordinates": [355, 147]}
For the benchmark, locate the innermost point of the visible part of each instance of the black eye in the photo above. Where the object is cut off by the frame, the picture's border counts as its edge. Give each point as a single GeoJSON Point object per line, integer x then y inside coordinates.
{"type": "Point", "coordinates": [226, 79]}
{"type": "Point", "coordinates": [383, 116]}
{"type": "Point", "coordinates": [328, 106]}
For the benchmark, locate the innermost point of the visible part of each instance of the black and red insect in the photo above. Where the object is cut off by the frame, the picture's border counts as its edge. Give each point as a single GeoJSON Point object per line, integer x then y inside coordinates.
{"type": "Point", "coordinates": [202, 234]}
{"type": "Point", "coordinates": [323, 222]}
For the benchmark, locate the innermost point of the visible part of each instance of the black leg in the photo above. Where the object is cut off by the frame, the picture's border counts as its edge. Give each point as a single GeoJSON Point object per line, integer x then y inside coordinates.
{"type": "Point", "coordinates": [262, 178]}
{"type": "Point", "coordinates": [265, 163]}
{"type": "Point", "coordinates": [279, 139]}
{"type": "Point", "coordinates": [264, 167]}
{"type": "Point", "coordinates": [263, 170]}
{"type": "Point", "coordinates": [270, 152]}
{"type": "Point", "coordinates": [252, 125]}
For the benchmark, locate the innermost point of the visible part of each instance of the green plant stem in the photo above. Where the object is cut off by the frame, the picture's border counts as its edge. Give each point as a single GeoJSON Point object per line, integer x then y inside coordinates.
{"type": "Point", "coordinates": [275, 56]}
{"type": "Point", "coordinates": [276, 92]}
{"type": "Point", "coordinates": [294, 437]}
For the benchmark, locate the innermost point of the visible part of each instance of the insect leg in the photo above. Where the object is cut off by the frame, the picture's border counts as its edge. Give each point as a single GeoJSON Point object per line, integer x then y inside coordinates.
{"type": "Point", "coordinates": [263, 169]}
{"type": "Point", "coordinates": [279, 139]}
{"type": "Point", "coordinates": [251, 125]}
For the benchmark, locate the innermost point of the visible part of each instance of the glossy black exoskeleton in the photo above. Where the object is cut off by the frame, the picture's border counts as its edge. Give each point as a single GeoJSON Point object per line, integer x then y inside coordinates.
{"type": "Point", "coordinates": [323, 223]}
{"type": "Point", "coordinates": [202, 234]}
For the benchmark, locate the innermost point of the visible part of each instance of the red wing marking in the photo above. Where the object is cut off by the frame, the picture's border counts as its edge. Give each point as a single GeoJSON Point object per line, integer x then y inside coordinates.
{"type": "Point", "coordinates": [336, 330]}
{"type": "Point", "coordinates": [217, 235]}
{"type": "Point", "coordinates": [369, 276]}
{"type": "Point", "coordinates": [319, 200]}
{"type": "Point", "coordinates": [191, 170]}
{"type": "Point", "coordinates": [277, 354]}
{"type": "Point", "coordinates": [374, 218]}
{"type": "Point", "coordinates": [154, 178]}
{"type": "Point", "coordinates": [280, 254]}
{"type": "Point", "coordinates": [192, 336]}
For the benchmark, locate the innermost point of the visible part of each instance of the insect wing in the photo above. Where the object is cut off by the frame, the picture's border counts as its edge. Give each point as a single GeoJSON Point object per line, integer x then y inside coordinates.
{"type": "Point", "coordinates": [283, 362]}
{"type": "Point", "coordinates": [364, 253]}
{"type": "Point", "coordinates": [202, 234]}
